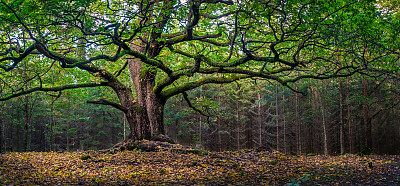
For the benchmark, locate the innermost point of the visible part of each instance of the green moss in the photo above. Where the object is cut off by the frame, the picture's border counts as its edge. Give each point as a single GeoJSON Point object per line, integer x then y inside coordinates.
{"type": "Point", "coordinates": [177, 38]}
{"type": "Point", "coordinates": [85, 157]}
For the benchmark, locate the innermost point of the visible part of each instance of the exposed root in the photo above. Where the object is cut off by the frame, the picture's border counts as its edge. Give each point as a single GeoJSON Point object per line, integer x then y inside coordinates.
{"type": "Point", "coordinates": [159, 143]}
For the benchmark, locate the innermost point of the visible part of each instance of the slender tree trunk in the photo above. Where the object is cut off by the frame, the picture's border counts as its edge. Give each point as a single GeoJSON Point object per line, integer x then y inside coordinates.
{"type": "Point", "coordinates": [319, 104]}
{"type": "Point", "coordinates": [259, 118]}
{"type": "Point", "coordinates": [68, 136]}
{"type": "Point", "coordinates": [298, 123]}
{"type": "Point", "coordinates": [124, 125]}
{"type": "Point", "coordinates": [219, 135]}
{"type": "Point", "coordinates": [2, 128]}
{"type": "Point", "coordinates": [314, 101]}
{"type": "Point", "coordinates": [324, 127]}
{"type": "Point", "coordinates": [51, 126]}
{"type": "Point", "coordinates": [26, 124]}
{"type": "Point", "coordinates": [350, 132]}
{"type": "Point", "coordinates": [237, 126]}
{"type": "Point", "coordinates": [10, 136]}
{"type": "Point", "coordinates": [219, 126]}
{"type": "Point", "coordinates": [1, 132]}
{"type": "Point", "coordinates": [349, 122]}
{"type": "Point", "coordinates": [398, 151]}
{"type": "Point", "coordinates": [366, 118]}
{"type": "Point", "coordinates": [200, 132]}
{"type": "Point", "coordinates": [325, 131]}
{"type": "Point", "coordinates": [341, 117]}
{"type": "Point", "coordinates": [277, 119]}
{"type": "Point", "coordinates": [284, 125]}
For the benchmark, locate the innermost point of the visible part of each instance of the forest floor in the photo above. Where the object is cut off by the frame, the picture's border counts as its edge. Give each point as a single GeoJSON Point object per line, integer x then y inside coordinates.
{"type": "Point", "coordinates": [245, 167]}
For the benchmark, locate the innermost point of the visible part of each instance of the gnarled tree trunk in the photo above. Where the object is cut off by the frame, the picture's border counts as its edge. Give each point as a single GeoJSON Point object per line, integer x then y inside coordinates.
{"type": "Point", "coordinates": [143, 113]}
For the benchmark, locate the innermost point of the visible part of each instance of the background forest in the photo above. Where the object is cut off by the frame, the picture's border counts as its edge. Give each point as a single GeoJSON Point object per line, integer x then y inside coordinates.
{"type": "Point", "coordinates": [334, 117]}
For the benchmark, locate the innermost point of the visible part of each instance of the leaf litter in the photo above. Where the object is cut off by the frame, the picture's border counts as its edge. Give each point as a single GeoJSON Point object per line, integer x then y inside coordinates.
{"type": "Point", "coordinates": [245, 167]}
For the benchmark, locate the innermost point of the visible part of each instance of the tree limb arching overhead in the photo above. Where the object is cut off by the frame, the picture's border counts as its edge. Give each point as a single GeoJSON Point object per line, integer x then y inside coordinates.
{"type": "Point", "coordinates": [167, 47]}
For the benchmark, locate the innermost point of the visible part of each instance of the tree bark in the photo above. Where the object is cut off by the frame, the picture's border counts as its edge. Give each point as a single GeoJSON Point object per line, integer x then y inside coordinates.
{"type": "Point", "coordinates": [1, 132]}
{"type": "Point", "coordinates": [367, 118]}
{"type": "Point", "coordinates": [124, 125]}
{"type": "Point", "coordinates": [342, 116]}
{"type": "Point", "coordinates": [399, 136]}
{"type": "Point", "coordinates": [68, 137]}
{"type": "Point", "coordinates": [314, 102]}
{"type": "Point", "coordinates": [324, 127]}
{"type": "Point", "coordinates": [237, 126]}
{"type": "Point", "coordinates": [284, 125]}
{"type": "Point", "coordinates": [259, 118]}
{"type": "Point", "coordinates": [298, 124]}
{"type": "Point", "coordinates": [200, 132]}
{"type": "Point", "coordinates": [349, 122]}
{"type": "Point", "coordinates": [26, 124]}
{"type": "Point", "coordinates": [145, 113]}
{"type": "Point", "coordinates": [277, 119]}
{"type": "Point", "coordinates": [219, 124]}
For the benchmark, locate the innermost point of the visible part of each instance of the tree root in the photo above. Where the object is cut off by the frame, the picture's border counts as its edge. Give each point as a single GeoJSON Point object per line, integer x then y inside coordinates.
{"type": "Point", "coordinates": [157, 144]}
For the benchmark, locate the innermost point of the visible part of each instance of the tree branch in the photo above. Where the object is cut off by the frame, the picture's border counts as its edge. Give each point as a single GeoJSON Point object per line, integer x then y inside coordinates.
{"type": "Point", "coordinates": [384, 109]}
{"type": "Point", "coordinates": [105, 102]}
{"type": "Point", "coordinates": [53, 89]}
{"type": "Point", "coordinates": [194, 84]}
{"type": "Point", "coordinates": [68, 62]}
{"type": "Point", "coordinates": [228, 2]}
{"type": "Point", "coordinates": [16, 60]}
{"type": "Point", "coordinates": [193, 37]}
{"type": "Point", "coordinates": [185, 96]}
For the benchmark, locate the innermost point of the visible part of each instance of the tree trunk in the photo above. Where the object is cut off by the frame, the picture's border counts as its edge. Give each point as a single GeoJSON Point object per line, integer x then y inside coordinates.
{"type": "Point", "coordinates": [284, 124]}
{"type": "Point", "coordinates": [26, 124]}
{"type": "Point", "coordinates": [124, 130]}
{"type": "Point", "coordinates": [144, 124]}
{"type": "Point", "coordinates": [219, 125]}
{"type": "Point", "coordinates": [342, 116]}
{"type": "Point", "coordinates": [298, 124]}
{"type": "Point", "coordinates": [51, 125]}
{"type": "Point", "coordinates": [237, 126]}
{"type": "Point", "coordinates": [259, 118]}
{"type": "Point", "coordinates": [314, 102]}
{"type": "Point", "coordinates": [1, 132]}
{"type": "Point", "coordinates": [11, 134]}
{"type": "Point", "coordinates": [200, 132]}
{"type": "Point", "coordinates": [68, 136]}
{"type": "Point", "coordinates": [219, 135]}
{"type": "Point", "coordinates": [398, 151]}
{"type": "Point", "coordinates": [366, 118]}
{"type": "Point", "coordinates": [144, 113]}
{"type": "Point", "coordinates": [349, 123]}
{"type": "Point", "coordinates": [324, 127]}
{"type": "Point", "coordinates": [277, 119]}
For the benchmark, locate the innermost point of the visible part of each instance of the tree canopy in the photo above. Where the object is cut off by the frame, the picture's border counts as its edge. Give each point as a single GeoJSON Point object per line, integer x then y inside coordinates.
{"type": "Point", "coordinates": [150, 50]}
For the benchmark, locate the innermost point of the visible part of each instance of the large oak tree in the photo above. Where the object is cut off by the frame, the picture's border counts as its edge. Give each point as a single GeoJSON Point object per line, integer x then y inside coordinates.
{"type": "Point", "coordinates": [147, 51]}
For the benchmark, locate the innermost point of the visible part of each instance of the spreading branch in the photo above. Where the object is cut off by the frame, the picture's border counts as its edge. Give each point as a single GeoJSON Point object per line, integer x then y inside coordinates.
{"type": "Point", "coordinates": [110, 103]}
{"type": "Point", "coordinates": [194, 84]}
{"type": "Point", "coordinates": [16, 60]}
{"type": "Point", "coordinates": [53, 89]}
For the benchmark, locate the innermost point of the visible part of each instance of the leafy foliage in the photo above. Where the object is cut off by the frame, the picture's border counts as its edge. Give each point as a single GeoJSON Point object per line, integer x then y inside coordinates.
{"type": "Point", "coordinates": [167, 167]}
